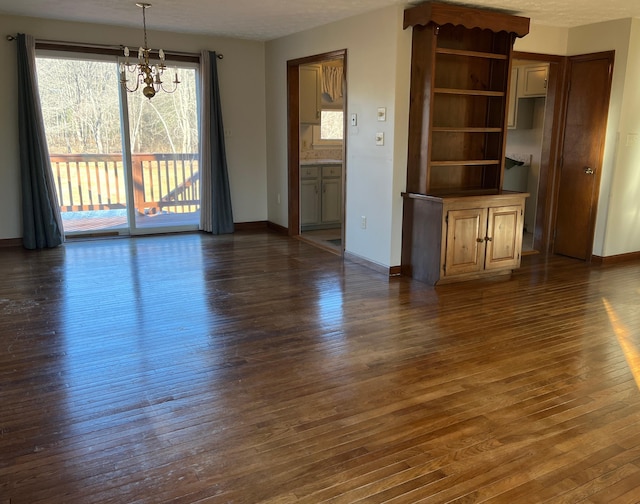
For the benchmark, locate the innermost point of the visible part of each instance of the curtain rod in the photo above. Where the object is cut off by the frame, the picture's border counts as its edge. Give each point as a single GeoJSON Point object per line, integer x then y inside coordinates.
{"type": "Point", "coordinates": [11, 38]}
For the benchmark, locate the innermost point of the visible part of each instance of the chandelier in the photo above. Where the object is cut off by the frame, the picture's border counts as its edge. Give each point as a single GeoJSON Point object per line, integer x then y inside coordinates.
{"type": "Point", "coordinates": [145, 73]}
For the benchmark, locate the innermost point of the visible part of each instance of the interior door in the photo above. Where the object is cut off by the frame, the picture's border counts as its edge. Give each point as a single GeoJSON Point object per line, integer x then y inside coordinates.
{"type": "Point", "coordinates": [586, 111]}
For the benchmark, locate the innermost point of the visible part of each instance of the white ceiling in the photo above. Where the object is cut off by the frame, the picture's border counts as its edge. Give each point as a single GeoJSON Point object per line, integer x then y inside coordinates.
{"type": "Point", "coordinates": [269, 19]}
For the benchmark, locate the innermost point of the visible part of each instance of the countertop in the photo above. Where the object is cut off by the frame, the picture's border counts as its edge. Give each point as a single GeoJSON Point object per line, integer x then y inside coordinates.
{"type": "Point", "coordinates": [315, 162]}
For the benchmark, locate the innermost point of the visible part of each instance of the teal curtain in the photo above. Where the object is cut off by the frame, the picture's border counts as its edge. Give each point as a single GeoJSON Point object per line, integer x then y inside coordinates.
{"type": "Point", "coordinates": [216, 215]}
{"type": "Point", "coordinates": [41, 221]}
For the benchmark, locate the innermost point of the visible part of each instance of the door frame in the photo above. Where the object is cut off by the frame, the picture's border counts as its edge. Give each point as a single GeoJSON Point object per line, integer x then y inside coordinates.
{"type": "Point", "coordinates": [551, 136]}
{"type": "Point", "coordinates": [293, 136]}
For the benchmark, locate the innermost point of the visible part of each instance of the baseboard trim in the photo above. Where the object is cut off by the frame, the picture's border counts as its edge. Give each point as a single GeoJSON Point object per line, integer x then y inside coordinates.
{"type": "Point", "coordinates": [11, 242]}
{"type": "Point", "coordinates": [390, 271]}
{"type": "Point", "coordinates": [277, 228]}
{"type": "Point", "coordinates": [250, 226]}
{"type": "Point", "coordinates": [614, 259]}
{"type": "Point", "coordinates": [395, 271]}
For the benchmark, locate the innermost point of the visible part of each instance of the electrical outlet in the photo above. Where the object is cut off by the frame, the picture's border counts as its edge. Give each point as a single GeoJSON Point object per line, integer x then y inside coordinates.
{"type": "Point", "coordinates": [363, 222]}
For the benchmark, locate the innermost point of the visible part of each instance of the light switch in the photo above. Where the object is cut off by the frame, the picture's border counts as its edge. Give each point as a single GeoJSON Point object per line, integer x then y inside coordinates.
{"type": "Point", "coordinates": [379, 138]}
{"type": "Point", "coordinates": [354, 119]}
{"type": "Point", "coordinates": [382, 114]}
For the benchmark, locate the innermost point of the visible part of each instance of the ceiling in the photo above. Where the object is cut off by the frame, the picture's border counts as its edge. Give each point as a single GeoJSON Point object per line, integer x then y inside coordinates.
{"type": "Point", "coordinates": [269, 19]}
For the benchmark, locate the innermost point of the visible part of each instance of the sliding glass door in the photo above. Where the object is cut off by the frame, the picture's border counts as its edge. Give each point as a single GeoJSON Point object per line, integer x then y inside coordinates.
{"type": "Point", "coordinates": [122, 164]}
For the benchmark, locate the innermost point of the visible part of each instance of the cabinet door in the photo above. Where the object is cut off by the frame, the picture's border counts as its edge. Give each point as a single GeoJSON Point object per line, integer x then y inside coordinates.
{"type": "Point", "coordinates": [535, 81]}
{"type": "Point", "coordinates": [504, 237]}
{"type": "Point", "coordinates": [310, 94]}
{"type": "Point", "coordinates": [465, 247]}
{"type": "Point", "coordinates": [331, 200]}
{"type": "Point", "coordinates": [309, 202]}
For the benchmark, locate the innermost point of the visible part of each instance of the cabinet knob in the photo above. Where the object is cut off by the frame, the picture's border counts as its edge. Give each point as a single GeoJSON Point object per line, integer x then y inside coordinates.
{"type": "Point", "coordinates": [488, 238]}
{"type": "Point", "coordinates": [479, 240]}
{"type": "Point", "coordinates": [588, 170]}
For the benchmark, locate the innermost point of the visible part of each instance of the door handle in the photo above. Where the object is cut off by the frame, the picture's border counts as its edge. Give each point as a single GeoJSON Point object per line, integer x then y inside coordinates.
{"type": "Point", "coordinates": [588, 170]}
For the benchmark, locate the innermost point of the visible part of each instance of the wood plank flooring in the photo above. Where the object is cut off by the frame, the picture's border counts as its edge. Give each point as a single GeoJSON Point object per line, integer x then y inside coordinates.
{"type": "Point", "coordinates": [254, 368]}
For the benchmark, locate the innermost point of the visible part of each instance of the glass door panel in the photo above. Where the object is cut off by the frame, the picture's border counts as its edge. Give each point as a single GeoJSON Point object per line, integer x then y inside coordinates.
{"type": "Point", "coordinates": [81, 112]}
{"type": "Point", "coordinates": [163, 133]}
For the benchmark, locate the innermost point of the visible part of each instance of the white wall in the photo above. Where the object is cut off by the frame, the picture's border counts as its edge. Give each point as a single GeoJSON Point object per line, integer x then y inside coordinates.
{"type": "Point", "coordinates": [544, 40]}
{"type": "Point", "coordinates": [621, 232]}
{"type": "Point", "coordinates": [378, 71]}
{"type": "Point", "coordinates": [242, 90]}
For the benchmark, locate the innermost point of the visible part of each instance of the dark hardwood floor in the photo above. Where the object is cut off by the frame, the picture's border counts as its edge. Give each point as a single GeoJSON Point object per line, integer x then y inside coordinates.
{"type": "Point", "coordinates": [256, 368]}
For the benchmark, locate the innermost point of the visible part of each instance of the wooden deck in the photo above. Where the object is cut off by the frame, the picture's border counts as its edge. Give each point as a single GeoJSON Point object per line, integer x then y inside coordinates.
{"type": "Point", "coordinates": [255, 368]}
{"type": "Point", "coordinates": [119, 223]}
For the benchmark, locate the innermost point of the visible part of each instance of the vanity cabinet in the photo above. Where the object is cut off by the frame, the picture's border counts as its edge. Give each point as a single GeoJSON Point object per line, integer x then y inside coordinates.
{"type": "Point", "coordinates": [461, 238]}
{"type": "Point", "coordinates": [320, 196]}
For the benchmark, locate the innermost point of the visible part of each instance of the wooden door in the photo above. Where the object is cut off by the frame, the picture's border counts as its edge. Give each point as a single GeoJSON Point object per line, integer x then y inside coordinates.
{"type": "Point", "coordinates": [465, 246]}
{"type": "Point", "coordinates": [582, 150]}
{"type": "Point", "coordinates": [504, 237]}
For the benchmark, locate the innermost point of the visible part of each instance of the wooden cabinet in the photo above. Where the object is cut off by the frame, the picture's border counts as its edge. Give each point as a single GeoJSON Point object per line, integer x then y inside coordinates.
{"type": "Point", "coordinates": [457, 222]}
{"type": "Point", "coordinates": [461, 238]}
{"type": "Point", "coordinates": [320, 196]}
{"type": "Point", "coordinates": [310, 87]}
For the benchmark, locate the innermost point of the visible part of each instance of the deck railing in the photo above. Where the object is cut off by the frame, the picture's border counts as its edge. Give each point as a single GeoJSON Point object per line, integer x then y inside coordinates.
{"type": "Point", "coordinates": [161, 182]}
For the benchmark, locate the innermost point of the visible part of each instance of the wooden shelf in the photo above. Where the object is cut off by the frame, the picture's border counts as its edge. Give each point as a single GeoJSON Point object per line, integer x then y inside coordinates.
{"type": "Point", "coordinates": [467, 162]}
{"type": "Point", "coordinates": [468, 92]}
{"type": "Point", "coordinates": [473, 54]}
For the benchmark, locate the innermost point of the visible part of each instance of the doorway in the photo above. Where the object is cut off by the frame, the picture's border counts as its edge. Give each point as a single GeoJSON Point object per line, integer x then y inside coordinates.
{"type": "Point", "coordinates": [316, 130]}
{"type": "Point", "coordinates": [534, 120]}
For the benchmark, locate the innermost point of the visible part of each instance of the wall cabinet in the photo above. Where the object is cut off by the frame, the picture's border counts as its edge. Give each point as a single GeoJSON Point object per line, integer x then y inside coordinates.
{"type": "Point", "coordinates": [527, 83]}
{"type": "Point", "coordinates": [534, 80]}
{"type": "Point", "coordinates": [310, 94]}
{"type": "Point", "coordinates": [461, 238]}
{"type": "Point", "coordinates": [320, 196]}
